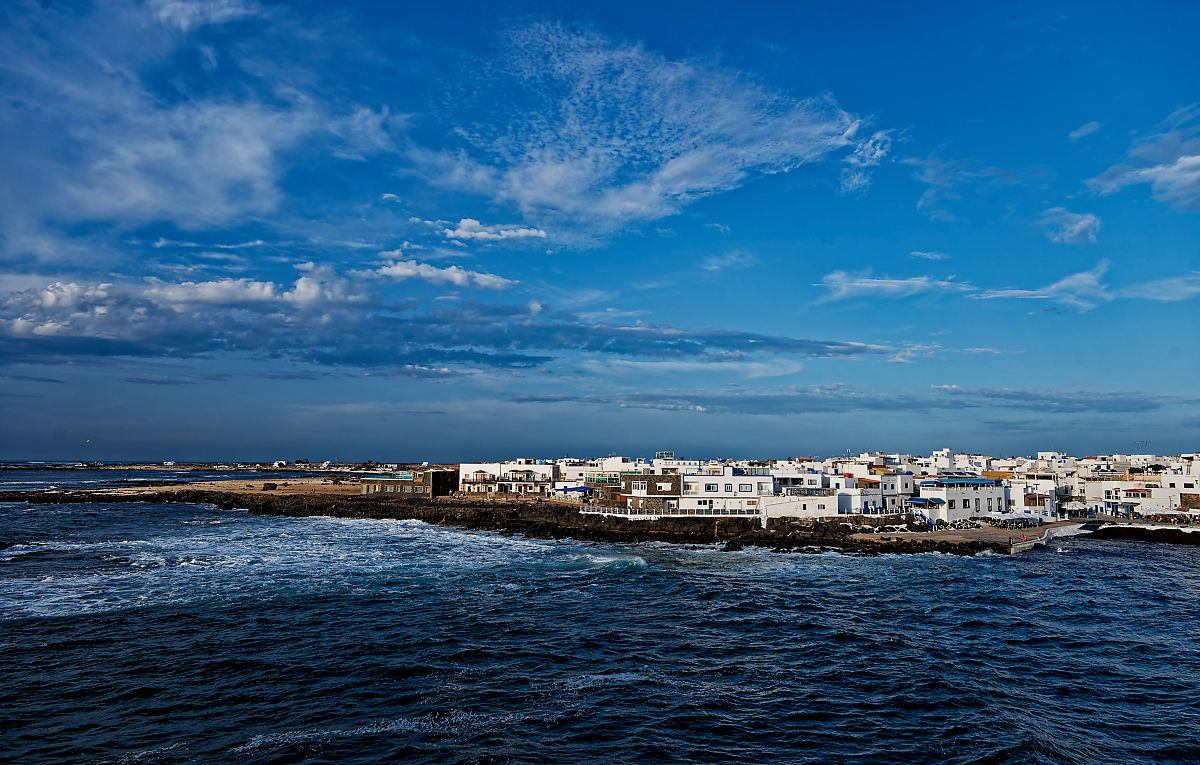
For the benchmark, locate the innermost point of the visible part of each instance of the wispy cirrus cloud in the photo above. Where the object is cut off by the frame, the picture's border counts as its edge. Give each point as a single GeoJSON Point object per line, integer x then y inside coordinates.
{"type": "Point", "coordinates": [1166, 290]}
{"type": "Point", "coordinates": [949, 180]}
{"type": "Point", "coordinates": [1084, 130]}
{"type": "Point", "coordinates": [731, 259]}
{"type": "Point", "coordinates": [186, 15]}
{"type": "Point", "coordinates": [1082, 291]}
{"type": "Point", "coordinates": [603, 133]}
{"type": "Point", "coordinates": [1167, 158]}
{"type": "Point", "coordinates": [859, 165]}
{"type": "Point", "coordinates": [108, 147]}
{"type": "Point", "coordinates": [1066, 227]}
{"type": "Point", "coordinates": [838, 398]}
{"type": "Point", "coordinates": [929, 255]}
{"type": "Point", "coordinates": [845, 285]}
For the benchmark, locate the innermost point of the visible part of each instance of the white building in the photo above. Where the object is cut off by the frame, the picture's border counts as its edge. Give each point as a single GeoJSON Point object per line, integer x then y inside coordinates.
{"type": "Point", "coordinates": [953, 499]}
{"type": "Point", "coordinates": [523, 476]}
{"type": "Point", "coordinates": [727, 488]}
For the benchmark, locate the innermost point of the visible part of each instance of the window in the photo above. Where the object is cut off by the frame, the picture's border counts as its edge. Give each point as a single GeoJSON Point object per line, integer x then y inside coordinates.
{"type": "Point", "coordinates": [1189, 486]}
{"type": "Point", "coordinates": [664, 487]}
{"type": "Point", "coordinates": [746, 487]}
{"type": "Point", "coordinates": [639, 485]}
{"type": "Point", "coordinates": [710, 487]}
{"type": "Point", "coordinates": [951, 504]}
{"type": "Point", "coordinates": [729, 488]}
{"type": "Point", "coordinates": [977, 503]}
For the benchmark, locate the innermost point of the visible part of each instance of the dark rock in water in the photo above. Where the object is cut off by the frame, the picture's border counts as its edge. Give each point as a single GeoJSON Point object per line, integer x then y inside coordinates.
{"type": "Point", "coordinates": [732, 546]}
{"type": "Point", "coordinates": [1143, 534]}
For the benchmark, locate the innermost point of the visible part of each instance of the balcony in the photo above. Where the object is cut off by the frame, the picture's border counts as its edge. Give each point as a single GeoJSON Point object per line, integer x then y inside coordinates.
{"type": "Point", "coordinates": [808, 491]}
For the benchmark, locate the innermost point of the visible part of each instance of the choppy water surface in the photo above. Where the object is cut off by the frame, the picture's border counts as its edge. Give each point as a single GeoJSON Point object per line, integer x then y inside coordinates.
{"type": "Point", "coordinates": [15, 479]}
{"type": "Point", "coordinates": [144, 633]}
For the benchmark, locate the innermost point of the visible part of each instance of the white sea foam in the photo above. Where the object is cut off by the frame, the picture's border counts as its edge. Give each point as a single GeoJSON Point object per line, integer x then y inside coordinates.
{"type": "Point", "coordinates": [453, 722]}
{"type": "Point", "coordinates": [588, 560]}
{"type": "Point", "coordinates": [148, 754]}
{"type": "Point", "coordinates": [586, 682]}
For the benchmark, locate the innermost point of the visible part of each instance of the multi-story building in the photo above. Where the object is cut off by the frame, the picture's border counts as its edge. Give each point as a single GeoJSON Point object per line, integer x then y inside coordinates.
{"type": "Point", "coordinates": [523, 476]}
{"type": "Point", "coordinates": [953, 499]}
{"type": "Point", "coordinates": [421, 483]}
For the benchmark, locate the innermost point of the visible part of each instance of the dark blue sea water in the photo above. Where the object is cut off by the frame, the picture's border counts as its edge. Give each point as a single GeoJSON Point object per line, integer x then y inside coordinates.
{"type": "Point", "coordinates": [97, 478]}
{"type": "Point", "coordinates": [143, 633]}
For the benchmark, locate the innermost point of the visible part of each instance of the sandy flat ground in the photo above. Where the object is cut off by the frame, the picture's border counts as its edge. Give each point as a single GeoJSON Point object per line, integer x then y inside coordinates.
{"type": "Point", "coordinates": [316, 485]}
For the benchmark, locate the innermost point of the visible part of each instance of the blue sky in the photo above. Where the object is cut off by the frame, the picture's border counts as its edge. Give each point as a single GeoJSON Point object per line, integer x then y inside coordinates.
{"type": "Point", "coordinates": [454, 231]}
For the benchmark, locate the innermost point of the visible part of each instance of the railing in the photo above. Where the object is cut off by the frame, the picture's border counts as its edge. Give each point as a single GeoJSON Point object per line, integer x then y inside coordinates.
{"type": "Point", "coordinates": [674, 511]}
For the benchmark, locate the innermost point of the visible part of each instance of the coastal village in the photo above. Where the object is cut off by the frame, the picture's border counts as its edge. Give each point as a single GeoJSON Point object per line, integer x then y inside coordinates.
{"type": "Point", "coordinates": [942, 489]}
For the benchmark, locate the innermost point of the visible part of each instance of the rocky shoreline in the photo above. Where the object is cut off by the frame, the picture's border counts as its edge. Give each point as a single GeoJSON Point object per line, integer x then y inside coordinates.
{"type": "Point", "coordinates": [545, 520]}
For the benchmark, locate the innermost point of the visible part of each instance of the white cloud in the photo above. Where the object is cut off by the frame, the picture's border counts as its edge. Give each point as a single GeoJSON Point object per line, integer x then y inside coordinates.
{"type": "Point", "coordinates": [856, 176]}
{"type": "Point", "coordinates": [1065, 227]}
{"type": "Point", "coordinates": [1085, 129]}
{"type": "Point", "coordinates": [605, 133]}
{"type": "Point", "coordinates": [731, 259]}
{"type": "Point", "coordinates": [843, 285]}
{"type": "Point", "coordinates": [362, 132]}
{"type": "Point", "coordinates": [471, 229]}
{"type": "Point", "coordinates": [1167, 290]}
{"type": "Point", "coordinates": [948, 180]}
{"type": "Point", "coordinates": [186, 15]}
{"type": "Point", "coordinates": [459, 277]}
{"type": "Point", "coordinates": [928, 255]}
{"type": "Point", "coordinates": [106, 139]}
{"type": "Point", "coordinates": [319, 286]}
{"type": "Point", "coordinates": [1167, 159]}
{"type": "Point", "coordinates": [746, 369]}
{"type": "Point", "coordinates": [1081, 291]}
{"type": "Point", "coordinates": [160, 243]}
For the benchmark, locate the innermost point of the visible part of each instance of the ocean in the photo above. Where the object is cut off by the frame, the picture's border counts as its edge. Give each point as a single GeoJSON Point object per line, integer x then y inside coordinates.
{"type": "Point", "coordinates": [172, 633]}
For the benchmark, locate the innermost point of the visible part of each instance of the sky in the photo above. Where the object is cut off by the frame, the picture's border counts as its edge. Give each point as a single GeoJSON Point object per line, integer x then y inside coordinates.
{"type": "Point", "coordinates": [465, 231]}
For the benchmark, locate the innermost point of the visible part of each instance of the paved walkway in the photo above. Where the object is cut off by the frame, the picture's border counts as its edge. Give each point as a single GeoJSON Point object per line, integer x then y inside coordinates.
{"type": "Point", "coordinates": [986, 534]}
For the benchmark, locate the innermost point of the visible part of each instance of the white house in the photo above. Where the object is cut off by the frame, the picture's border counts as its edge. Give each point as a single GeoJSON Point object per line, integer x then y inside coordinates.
{"type": "Point", "coordinates": [953, 499]}
{"type": "Point", "coordinates": [523, 476]}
